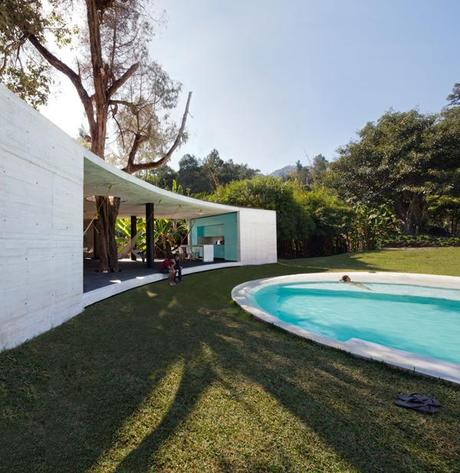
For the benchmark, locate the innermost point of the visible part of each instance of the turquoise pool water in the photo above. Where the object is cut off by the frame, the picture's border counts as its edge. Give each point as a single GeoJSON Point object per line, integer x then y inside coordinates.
{"type": "Point", "coordinates": [420, 320]}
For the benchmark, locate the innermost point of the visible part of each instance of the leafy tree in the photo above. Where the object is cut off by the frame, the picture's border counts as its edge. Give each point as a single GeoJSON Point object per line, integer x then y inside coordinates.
{"type": "Point", "coordinates": [294, 224]}
{"type": "Point", "coordinates": [371, 227]}
{"type": "Point", "coordinates": [318, 169]}
{"type": "Point", "coordinates": [301, 175]}
{"type": "Point", "coordinates": [445, 214]}
{"type": "Point", "coordinates": [112, 75]}
{"type": "Point", "coordinates": [205, 176]}
{"type": "Point", "coordinates": [163, 177]}
{"type": "Point", "coordinates": [232, 171]}
{"type": "Point", "coordinates": [191, 175]}
{"type": "Point", "coordinates": [398, 161]}
{"type": "Point", "coordinates": [212, 167]}
{"type": "Point", "coordinates": [220, 172]}
{"type": "Point", "coordinates": [454, 96]}
{"type": "Point", "coordinates": [308, 176]}
{"type": "Point", "coordinates": [333, 221]}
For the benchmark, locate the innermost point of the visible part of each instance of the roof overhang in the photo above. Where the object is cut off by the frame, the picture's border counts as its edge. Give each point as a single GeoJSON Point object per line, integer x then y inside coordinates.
{"type": "Point", "coordinates": [101, 178]}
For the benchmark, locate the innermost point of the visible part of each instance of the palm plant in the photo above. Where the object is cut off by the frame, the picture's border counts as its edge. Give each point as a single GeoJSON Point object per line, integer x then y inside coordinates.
{"type": "Point", "coordinates": [168, 234]}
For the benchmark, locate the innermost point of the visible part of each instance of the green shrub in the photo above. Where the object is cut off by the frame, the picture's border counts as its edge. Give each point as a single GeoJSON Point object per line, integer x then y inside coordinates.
{"type": "Point", "coordinates": [294, 223]}
{"type": "Point", "coordinates": [409, 241]}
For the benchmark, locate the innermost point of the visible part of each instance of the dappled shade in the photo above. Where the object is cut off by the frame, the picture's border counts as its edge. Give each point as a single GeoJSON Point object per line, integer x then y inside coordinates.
{"type": "Point", "coordinates": [180, 379]}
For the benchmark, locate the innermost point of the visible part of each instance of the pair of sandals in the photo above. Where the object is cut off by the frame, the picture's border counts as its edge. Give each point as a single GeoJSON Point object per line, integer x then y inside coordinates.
{"type": "Point", "coordinates": [418, 402]}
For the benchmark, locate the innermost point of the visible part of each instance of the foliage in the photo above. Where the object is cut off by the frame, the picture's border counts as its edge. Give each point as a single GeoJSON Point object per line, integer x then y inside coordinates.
{"type": "Point", "coordinates": [127, 97]}
{"type": "Point", "coordinates": [398, 161]}
{"type": "Point", "coordinates": [294, 224]}
{"type": "Point", "coordinates": [23, 69]}
{"type": "Point", "coordinates": [319, 169]}
{"type": "Point", "coordinates": [420, 241]}
{"type": "Point", "coordinates": [454, 96]}
{"type": "Point", "coordinates": [310, 175]}
{"type": "Point", "coordinates": [332, 218]}
{"type": "Point", "coordinates": [191, 175]}
{"type": "Point", "coordinates": [199, 176]}
{"type": "Point", "coordinates": [168, 234]}
{"type": "Point", "coordinates": [311, 223]}
{"type": "Point", "coordinates": [371, 227]}
{"type": "Point", "coordinates": [163, 177]}
{"type": "Point", "coordinates": [144, 128]}
{"type": "Point", "coordinates": [206, 175]}
{"type": "Point", "coordinates": [301, 175]}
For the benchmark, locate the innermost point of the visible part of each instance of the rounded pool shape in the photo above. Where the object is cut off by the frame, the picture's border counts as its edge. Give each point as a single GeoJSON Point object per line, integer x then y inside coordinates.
{"type": "Point", "coordinates": [408, 320]}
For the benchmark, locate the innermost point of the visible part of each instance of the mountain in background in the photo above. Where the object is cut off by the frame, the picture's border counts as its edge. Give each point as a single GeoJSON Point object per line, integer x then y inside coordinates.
{"type": "Point", "coordinates": [284, 171]}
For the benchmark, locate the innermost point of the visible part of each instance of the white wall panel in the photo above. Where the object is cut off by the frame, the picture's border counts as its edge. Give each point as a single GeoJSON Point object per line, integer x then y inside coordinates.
{"type": "Point", "coordinates": [41, 198]}
{"type": "Point", "coordinates": [257, 236]}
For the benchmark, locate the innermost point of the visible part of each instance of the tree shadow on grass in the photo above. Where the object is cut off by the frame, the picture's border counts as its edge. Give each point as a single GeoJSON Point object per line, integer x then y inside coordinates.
{"type": "Point", "coordinates": [68, 395]}
{"type": "Point", "coordinates": [349, 411]}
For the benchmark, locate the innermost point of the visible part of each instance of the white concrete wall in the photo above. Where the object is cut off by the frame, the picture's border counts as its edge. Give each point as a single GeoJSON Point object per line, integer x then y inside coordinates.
{"type": "Point", "coordinates": [257, 230]}
{"type": "Point", "coordinates": [41, 198]}
{"type": "Point", "coordinates": [41, 221]}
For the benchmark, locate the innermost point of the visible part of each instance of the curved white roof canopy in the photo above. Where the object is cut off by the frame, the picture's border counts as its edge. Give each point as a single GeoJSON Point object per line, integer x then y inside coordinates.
{"type": "Point", "coordinates": [101, 178]}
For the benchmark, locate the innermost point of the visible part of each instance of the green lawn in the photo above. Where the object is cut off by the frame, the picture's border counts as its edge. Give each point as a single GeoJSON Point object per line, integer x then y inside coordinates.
{"type": "Point", "coordinates": [180, 379]}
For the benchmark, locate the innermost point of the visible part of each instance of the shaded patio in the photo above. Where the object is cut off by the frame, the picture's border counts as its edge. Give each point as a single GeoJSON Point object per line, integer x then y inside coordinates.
{"type": "Point", "coordinates": [93, 279]}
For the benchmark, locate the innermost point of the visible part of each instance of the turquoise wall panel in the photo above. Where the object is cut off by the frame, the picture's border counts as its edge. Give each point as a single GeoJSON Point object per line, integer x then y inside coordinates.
{"type": "Point", "coordinates": [208, 226]}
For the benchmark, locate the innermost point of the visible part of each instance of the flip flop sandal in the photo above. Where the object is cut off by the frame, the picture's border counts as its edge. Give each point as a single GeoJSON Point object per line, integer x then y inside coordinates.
{"type": "Point", "coordinates": [418, 402]}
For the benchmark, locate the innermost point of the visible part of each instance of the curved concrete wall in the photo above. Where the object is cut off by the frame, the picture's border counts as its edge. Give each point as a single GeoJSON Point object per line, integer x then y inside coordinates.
{"type": "Point", "coordinates": [41, 220]}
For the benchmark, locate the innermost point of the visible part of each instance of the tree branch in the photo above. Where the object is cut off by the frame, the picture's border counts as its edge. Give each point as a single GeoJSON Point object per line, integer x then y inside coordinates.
{"type": "Point", "coordinates": [126, 103]}
{"type": "Point", "coordinates": [71, 74]}
{"type": "Point", "coordinates": [138, 140]}
{"type": "Point", "coordinates": [121, 80]}
{"type": "Point", "coordinates": [167, 156]}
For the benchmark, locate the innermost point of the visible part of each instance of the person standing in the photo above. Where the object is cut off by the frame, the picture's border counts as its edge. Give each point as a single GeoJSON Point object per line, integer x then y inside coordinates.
{"type": "Point", "coordinates": [178, 268]}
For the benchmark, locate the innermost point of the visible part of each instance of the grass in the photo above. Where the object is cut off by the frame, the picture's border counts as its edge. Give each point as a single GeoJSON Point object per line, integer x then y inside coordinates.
{"type": "Point", "coordinates": [410, 260]}
{"type": "Point", "coordinates": [180, 379]}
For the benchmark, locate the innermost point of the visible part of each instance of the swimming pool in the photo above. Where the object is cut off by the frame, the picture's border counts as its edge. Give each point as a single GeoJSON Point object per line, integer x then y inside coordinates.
{"type": "Point", "coordinates": [412, 321]}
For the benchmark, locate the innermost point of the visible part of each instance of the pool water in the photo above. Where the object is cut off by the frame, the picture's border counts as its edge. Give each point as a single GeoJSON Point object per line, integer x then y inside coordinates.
{"type": "Point", "coordinates": [420, 320]}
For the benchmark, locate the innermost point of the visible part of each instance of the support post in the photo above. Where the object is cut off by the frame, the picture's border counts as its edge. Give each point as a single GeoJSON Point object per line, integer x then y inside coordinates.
{"type": "Point", "coordinates": [149, 216]}
{"type": "Point", "coordinates": [95, 241]}
{"type": "Point", "coordinates": [133, 235]}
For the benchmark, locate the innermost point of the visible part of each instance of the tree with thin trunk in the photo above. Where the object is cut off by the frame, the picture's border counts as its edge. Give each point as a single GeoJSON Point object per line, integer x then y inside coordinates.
{"type": "Point", "coordinates": [123, 92]}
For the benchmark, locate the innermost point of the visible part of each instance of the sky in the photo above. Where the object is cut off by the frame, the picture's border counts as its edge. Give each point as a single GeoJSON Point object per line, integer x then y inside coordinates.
{"type": "Point", "coordinates": [278, 81]}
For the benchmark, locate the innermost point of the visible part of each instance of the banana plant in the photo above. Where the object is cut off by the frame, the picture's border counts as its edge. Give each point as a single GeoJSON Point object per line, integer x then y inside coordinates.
{"type": "Point", "coordinates": [168, 234]}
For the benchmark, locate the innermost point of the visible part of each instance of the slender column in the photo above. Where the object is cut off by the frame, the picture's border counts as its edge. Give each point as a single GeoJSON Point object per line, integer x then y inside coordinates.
{"type": "Point", "coordinates": [133, 234]}
{"type": "Point", "coordinates": [149, 216]}
{"type": "Point", "coordinates": [95, 241]}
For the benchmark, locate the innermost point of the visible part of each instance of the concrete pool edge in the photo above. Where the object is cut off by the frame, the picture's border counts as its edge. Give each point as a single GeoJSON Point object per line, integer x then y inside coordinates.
{"type": "Point", "coordinates": [425, 365]}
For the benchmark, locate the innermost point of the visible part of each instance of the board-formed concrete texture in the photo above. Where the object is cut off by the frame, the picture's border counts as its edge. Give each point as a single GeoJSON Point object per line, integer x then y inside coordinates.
{"type": "Point", "coordinates": [41, 206]}
{"type": "Point", "coordinates": [47, 181]}
{"type": "Point", "coordinates": [243, 295]}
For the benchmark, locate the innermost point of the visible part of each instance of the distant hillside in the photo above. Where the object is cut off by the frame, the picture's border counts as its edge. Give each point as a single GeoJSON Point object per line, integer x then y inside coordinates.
{"type": "Point", "coordinates": [284, 171]}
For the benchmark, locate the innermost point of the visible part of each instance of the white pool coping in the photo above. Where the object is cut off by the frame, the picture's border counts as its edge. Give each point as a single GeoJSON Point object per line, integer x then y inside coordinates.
{"type": "Point", "coordinates": [426, 365]}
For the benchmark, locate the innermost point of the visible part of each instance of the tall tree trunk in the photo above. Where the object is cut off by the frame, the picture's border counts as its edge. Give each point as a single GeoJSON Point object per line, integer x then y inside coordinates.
{"type": "Point", "coordinates": [108, 208]}
{"type": "Point", "coordinates": [415, 214]}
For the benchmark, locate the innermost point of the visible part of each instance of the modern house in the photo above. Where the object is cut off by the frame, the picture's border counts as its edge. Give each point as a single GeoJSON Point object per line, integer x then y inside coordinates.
{"type": "Point", "coordinates": [47, 188]}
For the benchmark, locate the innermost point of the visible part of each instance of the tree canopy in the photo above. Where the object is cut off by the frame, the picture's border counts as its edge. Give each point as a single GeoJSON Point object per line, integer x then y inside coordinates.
{"type": "Point", "coordinates": [127, 97]}
{"type": "Point", "coordinates": [398, 161]}
{"type": "Point", "coordinates": [201, 176]}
